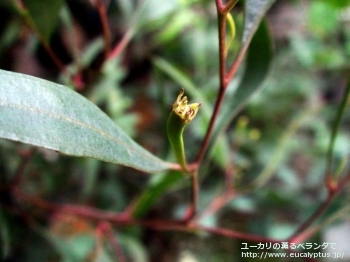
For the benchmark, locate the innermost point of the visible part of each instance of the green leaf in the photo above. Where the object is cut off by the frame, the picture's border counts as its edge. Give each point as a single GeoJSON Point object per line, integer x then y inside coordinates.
{"type": "Point", "coordinates": [257, 67]}
{"type": "Point", "coordinates": [254, 13]}
{"type": "Point", "coordinates": [42, 113]}
{"type": "Point", "coordinates": [45, 15]}
{"type": "Point", "coordinates": [158, 185]}
{"type": "Point", "coordinates": [336, 127]}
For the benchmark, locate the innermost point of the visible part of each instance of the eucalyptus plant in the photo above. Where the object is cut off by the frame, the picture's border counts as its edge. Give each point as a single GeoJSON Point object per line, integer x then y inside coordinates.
{"type": "Point", "coordinates": [46, 114]}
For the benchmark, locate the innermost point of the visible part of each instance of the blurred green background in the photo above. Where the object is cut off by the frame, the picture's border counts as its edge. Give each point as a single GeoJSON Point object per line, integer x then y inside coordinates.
{"type": "Point", "coordinates": [277, 142]}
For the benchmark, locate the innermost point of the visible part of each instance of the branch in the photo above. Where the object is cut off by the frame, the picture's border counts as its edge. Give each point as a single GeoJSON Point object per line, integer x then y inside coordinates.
{"type": "Point", "coordinates": [32, 26]}
{"type": "Point", "coordinates": [84, 211]}
{"type": "Point", "coordinates": [317, 213]}
{"type": "Point", "coordinates": [26, 157]}
{"type": "Point", "coordinates": [217, 204]}
{"type": "Point", "coordinates": [235, 66]}
{"type": "Point", "coordinates": [106, 228]}
{"type": "Point", "coordinates": [335, 130]}
{"type": "Point", "coordinates": [192, 210]}
{"type": "Point", "coordinates": [118, 219]}
{"type": "Point", "coordinates": [122, 44]}
{"type": "Point", "coordinates": [210, 129]}
{"type": "Point", "coordinates": [101, 8]}
{"type": "Point", "coordinates": [219, 5]}
{"type": "Point", "coordinates": [224, 78]}
{"type": "Point", "coordinates": [229, 5]}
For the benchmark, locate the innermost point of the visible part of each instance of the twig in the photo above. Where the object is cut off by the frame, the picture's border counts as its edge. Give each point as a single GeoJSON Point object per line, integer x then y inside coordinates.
{"type": "Point", "coordinates": [122, 44]}
{"type": "Point", "coordinates": [31, 24]}
{"type": "Point", "coordinates": [133, 26]}
{"type": "Point", "coordinates": [192, 211]}
{"type": "Point", "coordinates": [222, 11]}
{"type": "Point", "coordinates": [216, 204]}
{"type": "Point", "coordinates": [26, 157]}
{"type": "Point", "coordinates": [330, 180]}
{"type": "Point", "coordinates": [119, 220]}
{"type": "Point", "coordinates": [235, 66]}
{"type": "Point", "coordinates": [210, 129]}
{"type": "Point", "coordinates": [220, 201]}
{"type": "Point", "coordinates": [233, 234]}
{"type": "Point", "coordinates": [219, 5]}
{"type": "Point", "coordinates": [222, 48]}
{"type": "Point", "coordinates": [343, 181]}
{"type": "Point", "coordinates": [80, 210]}
{"type": "Point", "coordinates": [107, 230]}
{"type": "Point", "coordinates": [101, 8]}
{"type": "Point", "coordinates": [229, 5]}
{"type": "Point", "coordinates": [230, 177]}
{"type": "Point", "coordinates": [317, 213]}
{"type": "Point", "coordinates": [224, 77]}
{"type": "Point", "coordinates": [59, 64]}
{"type": "Point", "coordinates": [334, 187]}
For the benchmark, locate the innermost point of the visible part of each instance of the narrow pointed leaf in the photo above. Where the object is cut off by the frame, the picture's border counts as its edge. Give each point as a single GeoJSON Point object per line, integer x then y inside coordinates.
{"type": "Point", "coordinates": [156, 188]}
{"type": "Point", "coordinates": [258, 64]}
{"type": "Point", "coordinates": [254, 13]}
{"type": "Point", "coordinates": [49, 115]}
{"type": "Point", "coordinates": [45, 15]}
{"type": "Point", "coordinates": [335, 128]}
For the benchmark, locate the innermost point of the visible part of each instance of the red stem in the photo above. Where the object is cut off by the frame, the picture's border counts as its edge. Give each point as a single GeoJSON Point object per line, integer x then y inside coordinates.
{"type": "Point", "coordinates": [343, 181]}
{"type": "Point", "coordinates": [235, 66]}
{"type": "Point", "coordinates": [223, 84]}
{"type": "Point", "coordinates": [32, 26]}
{"type": "Point", "coordinates": [26, 157]}
{"type": "Point", "coordinates": [121, 45]}
{"type": "Point", "coordinates": [59, 64]}
{"type": "Point", "coordinates": [317, 213]}
{"type": "Point", "coordinates": [120, 220]}
{"type": "Point", "coordinates": [224, 78]}
{"type": "Point", "coordinates": [80, 210]}
{"type": "Point", "coordinates": [107, 230]}
{"type": "Point", "coordinates": [192, 210]}
{"type": "Point", "coordinates": [228, 6]}
{"type": "Point", "coordinates": [233, 234]}
{"type": "Point", "coordinates": [101, 8]}
{"type": "Point", "coordinates": [333, 190]}
{"type": "Point", "coordinates": [210, 129]}
{"type": "Point", "coordinates": [219, 5]}
{"type": "Point", "coordinates": [216, 204]}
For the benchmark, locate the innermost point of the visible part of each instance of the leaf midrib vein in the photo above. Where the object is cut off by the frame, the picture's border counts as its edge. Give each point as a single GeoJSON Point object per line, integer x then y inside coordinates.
{"type": "Point", "coordinates": [68, 119]}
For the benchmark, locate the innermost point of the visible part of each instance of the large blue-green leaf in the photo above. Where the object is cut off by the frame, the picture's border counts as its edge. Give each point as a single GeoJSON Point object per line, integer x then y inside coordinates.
{"type": "Point", "coordinates": [49, 115]}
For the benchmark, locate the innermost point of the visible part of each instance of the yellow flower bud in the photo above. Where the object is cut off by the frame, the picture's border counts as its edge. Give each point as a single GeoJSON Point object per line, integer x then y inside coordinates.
{"type": "Point", "coordinates": [183, 110]}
